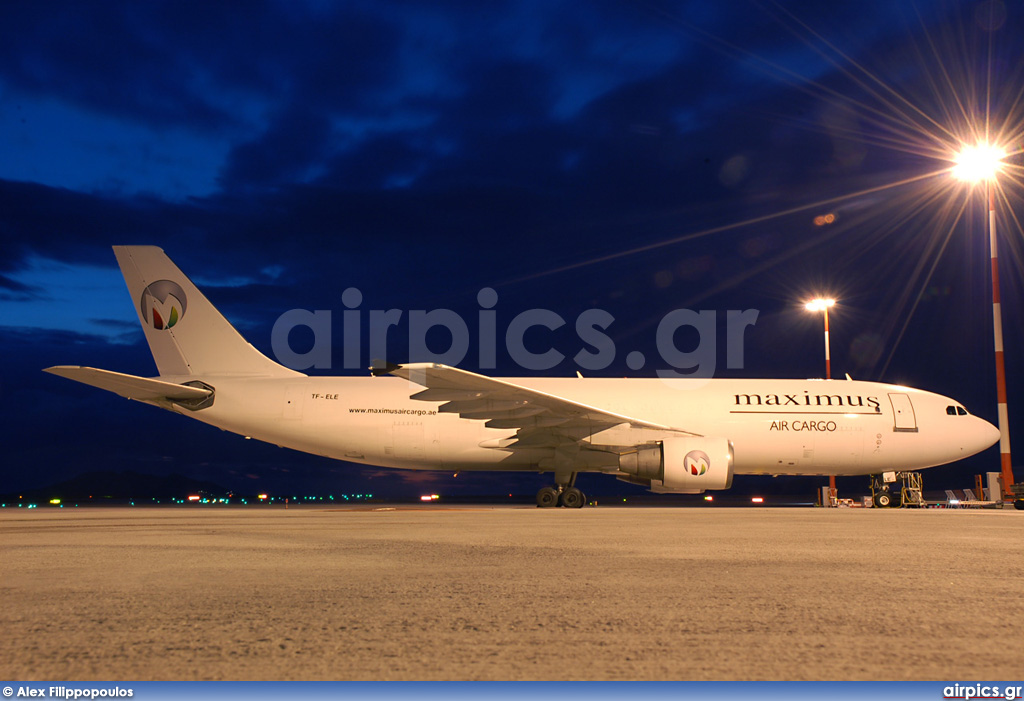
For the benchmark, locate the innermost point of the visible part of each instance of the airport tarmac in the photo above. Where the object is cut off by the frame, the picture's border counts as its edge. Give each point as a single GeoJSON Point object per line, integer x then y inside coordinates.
{"type": "Point", "coordinates": [510, 593]}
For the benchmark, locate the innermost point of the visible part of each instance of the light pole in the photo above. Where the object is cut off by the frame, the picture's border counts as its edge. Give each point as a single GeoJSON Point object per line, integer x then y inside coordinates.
{"type": "Point", "coordinates": [976, 164]}
{"type": "Point", "coordinates": [822, 305]}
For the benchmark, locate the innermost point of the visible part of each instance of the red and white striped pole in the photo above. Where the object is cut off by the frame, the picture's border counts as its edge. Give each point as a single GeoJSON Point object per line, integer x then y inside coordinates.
{"type": "Point", "coordinates": [828, 376]}
{"type": "Point", "coordinates": [821, 305]}
{"type": "Point", "coordinates": [997, 328]}
{"type": "Point", "coordinates": [828, 359]}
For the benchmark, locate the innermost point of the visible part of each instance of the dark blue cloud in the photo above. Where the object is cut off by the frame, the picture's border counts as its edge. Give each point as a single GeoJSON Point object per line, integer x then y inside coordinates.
{"type": "Point", "coordinates": [15, 289]}
{"type": "Point", "coordinates": [113, 58]}
{"type": "Point", "coordinates": [291, 147]}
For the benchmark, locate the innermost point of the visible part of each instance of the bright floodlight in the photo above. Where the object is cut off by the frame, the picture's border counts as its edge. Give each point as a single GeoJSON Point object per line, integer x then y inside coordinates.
{"type": "Point", "coordinates": [977, 163]}
{"type": "Point", "coordinates": [819, 305]}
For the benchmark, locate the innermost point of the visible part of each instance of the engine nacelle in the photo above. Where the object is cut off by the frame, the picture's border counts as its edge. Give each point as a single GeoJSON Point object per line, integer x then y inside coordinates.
{"type": "Point", "coordinates": [681, 465]}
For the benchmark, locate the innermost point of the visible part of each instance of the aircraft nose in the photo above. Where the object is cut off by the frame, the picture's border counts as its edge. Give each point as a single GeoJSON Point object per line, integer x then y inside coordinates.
{"type": "Point", "coordinates": [987, 434]}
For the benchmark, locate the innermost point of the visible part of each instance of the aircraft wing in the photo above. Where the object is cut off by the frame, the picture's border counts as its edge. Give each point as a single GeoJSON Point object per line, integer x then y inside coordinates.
{"type": "Point", "coordinates": [130, 386]}
{"type": "Point", "coordinates": [539, 419]}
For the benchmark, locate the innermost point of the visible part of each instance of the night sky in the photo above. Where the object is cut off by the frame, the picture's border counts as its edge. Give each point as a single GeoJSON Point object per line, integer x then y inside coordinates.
{"type": "Point", "coordinates": [635, 157]}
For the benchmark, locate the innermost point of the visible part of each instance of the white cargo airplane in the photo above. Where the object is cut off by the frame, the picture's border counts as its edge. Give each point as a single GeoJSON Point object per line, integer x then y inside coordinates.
{"type": "Point", "coordinates": [678, 435]}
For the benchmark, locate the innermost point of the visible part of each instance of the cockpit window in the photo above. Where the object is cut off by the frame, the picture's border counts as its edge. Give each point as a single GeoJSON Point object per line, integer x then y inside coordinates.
{"type": "Point", "coordinates": [961, 411]}
{"type": "Point", "coordinates": [951, 410]}
{"type": "Point", "coordinates": [956, 411]}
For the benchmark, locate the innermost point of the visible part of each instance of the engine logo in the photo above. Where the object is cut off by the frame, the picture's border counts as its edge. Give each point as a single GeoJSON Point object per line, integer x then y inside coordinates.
{"type": "Point", "coordinates": [163, 304]}
{"type": "Point", "coordinates": [697, 462]}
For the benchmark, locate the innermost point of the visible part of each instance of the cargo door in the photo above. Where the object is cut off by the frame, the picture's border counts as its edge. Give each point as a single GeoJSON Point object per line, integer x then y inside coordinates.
{"type": "Point", "coordinates": [904, 420]}
{"type": "Point", "coordinates": [407, 439]}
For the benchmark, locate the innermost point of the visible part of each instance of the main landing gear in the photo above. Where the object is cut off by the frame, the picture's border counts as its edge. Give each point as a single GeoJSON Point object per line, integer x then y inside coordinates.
{"type": "Point", "coordinates": [566, 495]}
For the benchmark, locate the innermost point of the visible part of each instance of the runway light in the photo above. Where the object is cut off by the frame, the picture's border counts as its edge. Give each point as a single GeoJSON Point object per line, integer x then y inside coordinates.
{"type": "Point", "coordinates": [977, 163]}
{"type": "Point", "coordinates": [193, 497]}
{"type": "Point", "coordinates": [709, 498]}
{"type": "Point", "coordinates": [54, 501]}
{"type": "Point", "coordinates": [261, 496]}
{"type": "Point", "coordinates": [758, 500]}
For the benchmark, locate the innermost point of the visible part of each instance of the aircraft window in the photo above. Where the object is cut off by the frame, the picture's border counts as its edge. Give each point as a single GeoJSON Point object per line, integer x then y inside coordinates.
{"type": "Point", "coordinates": [951, 410]}
{"type": "Point", "coordinates": [960, 410]}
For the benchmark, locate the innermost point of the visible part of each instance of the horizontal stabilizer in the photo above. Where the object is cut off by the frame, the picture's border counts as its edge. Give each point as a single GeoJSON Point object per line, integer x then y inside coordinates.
{"type": "Point", "coordinates": [130, 386]}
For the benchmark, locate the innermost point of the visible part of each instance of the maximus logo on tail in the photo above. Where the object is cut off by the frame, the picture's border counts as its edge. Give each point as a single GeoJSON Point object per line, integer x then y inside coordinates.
{"type": "Point", "coordinates": [163, 304]}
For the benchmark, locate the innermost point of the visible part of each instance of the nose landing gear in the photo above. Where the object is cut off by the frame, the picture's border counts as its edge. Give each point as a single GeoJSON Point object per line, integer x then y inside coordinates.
{"type": "Point", "coordinates": [896, 489]}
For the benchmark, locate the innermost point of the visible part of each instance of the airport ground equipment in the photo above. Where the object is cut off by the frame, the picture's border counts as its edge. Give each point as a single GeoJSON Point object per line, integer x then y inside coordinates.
{"type": "Point", "coordinates": [895, 489]}
{"type": "Point", "coordinates": [1017, 491]}
{"type": "Point", "coordinates": [970, 500]}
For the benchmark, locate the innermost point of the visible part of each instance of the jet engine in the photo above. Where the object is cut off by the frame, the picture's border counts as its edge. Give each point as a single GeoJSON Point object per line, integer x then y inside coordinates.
{"type": "Point", "coordinates": [682, 465]}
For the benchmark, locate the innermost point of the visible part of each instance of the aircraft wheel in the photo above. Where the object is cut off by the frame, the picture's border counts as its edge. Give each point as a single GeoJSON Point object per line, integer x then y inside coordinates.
{"type": "Point", "coordinates": [573, 498]}
{"type": "Point", "coordinates": [1018, 504]}
{"type": "Point", "coordinates": [883, 500]}
{"type": "Point", "coordinates": [547, 497]}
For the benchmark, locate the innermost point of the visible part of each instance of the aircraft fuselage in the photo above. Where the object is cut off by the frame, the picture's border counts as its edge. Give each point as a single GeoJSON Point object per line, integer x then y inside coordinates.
{"type": "Point", "coordinates": [791, 427]}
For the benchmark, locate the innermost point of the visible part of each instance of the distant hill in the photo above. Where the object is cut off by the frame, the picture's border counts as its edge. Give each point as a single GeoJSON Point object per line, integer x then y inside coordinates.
{"type": "Point", "coordinates": [121, 485]}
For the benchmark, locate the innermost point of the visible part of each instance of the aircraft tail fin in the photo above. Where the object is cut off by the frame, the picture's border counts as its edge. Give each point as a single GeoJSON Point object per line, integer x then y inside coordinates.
{"type": "Point", "coordinates": [185, 332]}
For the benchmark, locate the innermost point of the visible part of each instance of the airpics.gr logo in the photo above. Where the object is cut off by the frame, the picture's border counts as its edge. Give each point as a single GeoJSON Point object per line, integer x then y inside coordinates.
{"type": "Point", "coordinates": [697, 462]}
{"type": "Point", "coordinates": [163, 304]}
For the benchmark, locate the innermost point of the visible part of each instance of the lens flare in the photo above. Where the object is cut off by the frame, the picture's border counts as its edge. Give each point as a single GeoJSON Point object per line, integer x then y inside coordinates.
{"type": "Point", "coordinates": [820, 304]}
{"type": "Point", "coordinates": [978, 163]}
